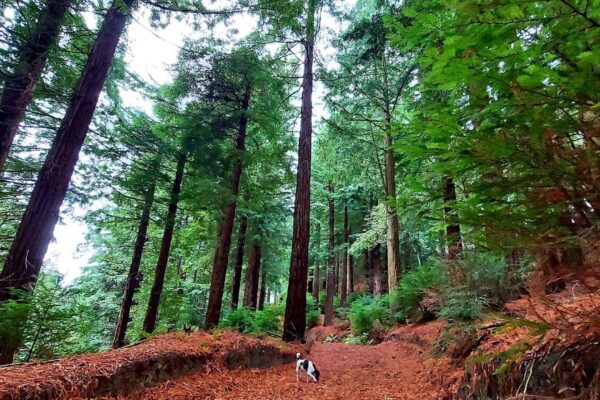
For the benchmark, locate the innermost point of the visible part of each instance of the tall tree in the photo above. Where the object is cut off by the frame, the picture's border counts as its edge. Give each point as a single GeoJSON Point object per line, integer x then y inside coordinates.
{"type": "Point", "coordinates": [215, 299]}
{"type": "Point", "coordinates": [165, 249]}
{"type": "Point", "coordinates": [25, 257]}
{"type": "Point", "coordinates": [263, 289]}
{"type": "Point", "coordinates": [316, 276]}
{"type": "Point", "coordinates": [239, 261]}
{"type": "Point", "coordinates": [294, 324]}
{"type": "Point", "coordinates": [19, 85]}
{"type": "Point", "coordinates": [252, 277]}
{"type": "Point", "coordinates": [344, 261]}
{"type": "Point", "coordinates": [133, 276]}
{"type": "Point", "coordinates": [331, 261]}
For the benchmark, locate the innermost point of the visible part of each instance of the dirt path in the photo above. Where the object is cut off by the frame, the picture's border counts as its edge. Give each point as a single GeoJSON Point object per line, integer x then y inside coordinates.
{"type": "Point", "coordinates": [399, 369]}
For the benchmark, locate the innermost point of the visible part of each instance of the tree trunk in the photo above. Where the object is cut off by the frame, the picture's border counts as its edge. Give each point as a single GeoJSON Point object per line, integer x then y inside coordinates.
{"type": "Point", "coordinates": [217, 283]}
{"type": "Point", "coordinates": [336, 274]}
{"type": "Point", "coordinates": [252, 276]}
{"type": "Point", "coordinates": [350, 273]}
{"type": "Point", "coordinates": [331, 267]}
{"type": "Point", "coordinates": [36, 228]}
{"type": "Point", "coordinates": [376, 268]}
{"type": "Point", "coordinates": [344, 261]}
{"type": "Point", "coordinates": [165, 248]}
{"type": "Point", "coordinates": [239, 261]}
{"type": "Point", "coordinates": [317, 278]}
{"type": "Point", "coordinates": [134, 277]}
{"type": "Point", "coordinates": [393, 226]}
{"type": "Point", "coordinates": [294, 325]}
{"type": "Point", "coordinates": [453, 235]}
{"type": "Point", "coordinates": [263, 289]}
{"type": "Point", "coordinates": [20, 85]}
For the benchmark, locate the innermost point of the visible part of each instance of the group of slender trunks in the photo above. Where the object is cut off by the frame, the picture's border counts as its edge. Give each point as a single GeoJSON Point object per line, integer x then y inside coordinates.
{"type": "Point", "coordinates": [24, 260]}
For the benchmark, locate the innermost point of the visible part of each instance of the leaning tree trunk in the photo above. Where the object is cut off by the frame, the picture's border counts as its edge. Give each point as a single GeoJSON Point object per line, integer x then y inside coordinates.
{"type": "Point", "coordinates": [344, 261]}
{"type": "Point", "coordinates": [20, 84]}
{"type": "Point", "coordinates": [393, 226]}
{"type": "Point", "coordinates": [294, 324]}
{"type": "Point", "coordinates": [453, 235]}
{"type": "Point", "coordinates": [331, 267]}
{"type": "Point", "coordinates": [165, 248]}
{"type": "Point", "coordinates": [263, 289]}
{"type": "Point", "coordinates": [375, 255]}
{"type": "Point", "coordinates": [134, 277]}
{"type": "Point", "coordinates": [217, 283]}
{"type": "Point", "coordinates": [239, 261]}
{"type": "Point", "coordinates": [252, 276]}
{"type": "Point", "coordinates": [317, 278]}
{"type": "Point", "coordinates": [24, 259]}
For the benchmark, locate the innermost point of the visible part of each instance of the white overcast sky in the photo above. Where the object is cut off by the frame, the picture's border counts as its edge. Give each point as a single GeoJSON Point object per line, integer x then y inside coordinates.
{"type": "Point", "coordinates": [150, 53]}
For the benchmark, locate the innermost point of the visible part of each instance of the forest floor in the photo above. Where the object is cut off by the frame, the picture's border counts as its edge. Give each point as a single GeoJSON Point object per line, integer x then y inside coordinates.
{"type": "Point", "coordinates": [399, 368]}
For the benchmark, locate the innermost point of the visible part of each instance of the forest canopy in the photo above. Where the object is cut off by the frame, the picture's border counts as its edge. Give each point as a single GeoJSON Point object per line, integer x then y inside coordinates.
{"type": "Point", "coordinates": [304, 162]}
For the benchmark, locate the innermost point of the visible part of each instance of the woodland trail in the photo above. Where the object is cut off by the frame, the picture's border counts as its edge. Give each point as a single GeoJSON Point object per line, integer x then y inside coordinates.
{"type": "Point", "coordinates": [395, 369]}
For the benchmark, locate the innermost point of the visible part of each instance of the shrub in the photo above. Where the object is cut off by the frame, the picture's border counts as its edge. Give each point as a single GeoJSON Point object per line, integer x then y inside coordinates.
{"type": "Point", "coordinates": [461, 304]}
{"type": "Point", "coordinates": [313, 313]}
{"type": "Point", "coordinates": [412, 285]}
{"type": "Point", "coordinates": [362, 338]}
{"type": "Point", "coordinates": [240, 320]}
{"type": "Point", "coordinates": [268, 320]}
{"type": "Point", "coordinates": [366, 311]}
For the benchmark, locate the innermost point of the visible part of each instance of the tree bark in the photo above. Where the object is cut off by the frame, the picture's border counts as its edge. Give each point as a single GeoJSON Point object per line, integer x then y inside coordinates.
{"type": "Point", "coordinates": [344, 261]}
{"type": "Point", "coordinates": [317, 278]}
{"type": "Point", "coordinates": [239, 261]}
{"type": "Point", "coordinates": [30, 244]}
{"type": "Point", "coordinates": [294, 324]}
{"type": "Point", "coordinates": [20, 85]}
{"type": "Point", "coordinates": [350, 273]}
{"type": "Point", "coordinates": [134, 277]}
{"type": "Point", "coordinates": [252, 276]}
{"type": "Point", "coordinates": [376, 268]}
{"type": "Point", "coordinates": [453, 235]}
{"type": "Point", "coordinates": [331, 267]}
{"type": "Point", "coordinates": [217, 283]}
{"type": "Point", "coordinates": [393, 226]}
{"type": "Point", "coordinates": [165, 248]}
{"type": "Point", "coordinates": [263, 289]}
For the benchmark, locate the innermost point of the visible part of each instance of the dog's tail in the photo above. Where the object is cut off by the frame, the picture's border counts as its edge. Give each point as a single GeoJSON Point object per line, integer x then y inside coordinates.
{"type": "Point", "coordinates": [298, 356]}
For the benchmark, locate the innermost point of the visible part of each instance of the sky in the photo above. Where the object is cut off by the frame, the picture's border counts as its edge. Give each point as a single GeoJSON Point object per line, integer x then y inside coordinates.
{"type": "Point", "coordinates": [150, 53]}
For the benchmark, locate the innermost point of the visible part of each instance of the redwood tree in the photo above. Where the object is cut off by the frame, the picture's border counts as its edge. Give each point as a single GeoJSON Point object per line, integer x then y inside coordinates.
{"type": "Point", "coordinates": [134, 277]}
{"type": "Point", "coordinates": [239, 261]}
{"type": "Point", "coordinates": [453, 236]}
{"type": "Point", "coordinates": [331, 264]}
{"type": "Point", "coordinates": [165, 248]}
{"type": "Point", "coordinates": [25, 257]}
{"type": "Point", "coordinates": [217, 284]}
{"type": "Point", "coordinates": [19, 85]}
{"type": "Point", "coordinates": [317, 278]}
{"type": "Point", "coordinates": [294, 323]}
{"type": "Point", "coordinates": [252, 277]}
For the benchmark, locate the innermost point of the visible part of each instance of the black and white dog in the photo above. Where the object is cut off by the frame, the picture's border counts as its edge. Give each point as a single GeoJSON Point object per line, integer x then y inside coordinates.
{"type": "Point", "coordinates": [308, 367]}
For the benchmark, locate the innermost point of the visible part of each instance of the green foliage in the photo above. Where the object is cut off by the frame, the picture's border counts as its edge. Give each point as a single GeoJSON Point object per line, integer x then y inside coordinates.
{"type": "Point", "coordinates": [368, 311]}
{"type": "Point", "coordinates": [241, 320]}
{"type": "Point", "coordinates": [461, 304]}
{"type": "Point", "coordinates": [269, 320]}
{"type": "Point", "coordinates": [313, 313]}
{"type": "Point", "coordinates": [359, 339]}
{"type": "Point", "coordinates": [412, 284]}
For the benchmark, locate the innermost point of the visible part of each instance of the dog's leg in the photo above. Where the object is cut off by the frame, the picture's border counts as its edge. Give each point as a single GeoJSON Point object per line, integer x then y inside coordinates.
{"type": "Point", "coordinates": [314, 379]}
{"type": "Point", "coordinates": [297, 373]}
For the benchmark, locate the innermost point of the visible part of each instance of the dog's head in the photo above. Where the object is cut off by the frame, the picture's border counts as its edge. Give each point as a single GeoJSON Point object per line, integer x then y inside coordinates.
{"type": "Point", "coordinates": [317, 374]}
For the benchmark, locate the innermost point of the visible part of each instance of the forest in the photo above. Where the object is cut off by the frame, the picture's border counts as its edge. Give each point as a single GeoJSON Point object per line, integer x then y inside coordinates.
{"type": "Point", "coordinates": [407, 192]}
